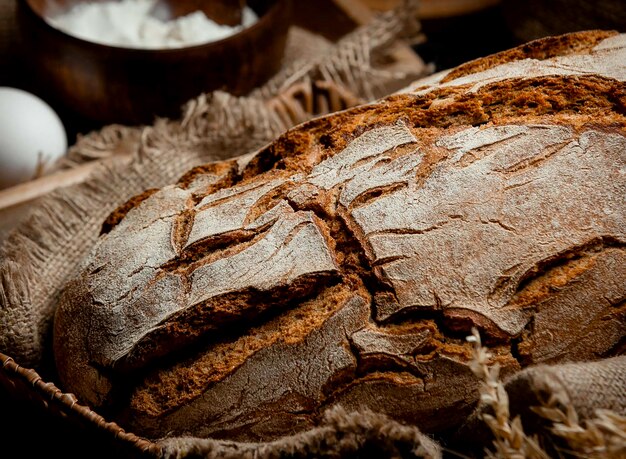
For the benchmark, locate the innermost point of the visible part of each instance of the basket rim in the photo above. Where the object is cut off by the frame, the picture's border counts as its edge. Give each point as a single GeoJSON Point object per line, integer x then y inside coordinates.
{"type": "Point", "coordinates": [69, 404]}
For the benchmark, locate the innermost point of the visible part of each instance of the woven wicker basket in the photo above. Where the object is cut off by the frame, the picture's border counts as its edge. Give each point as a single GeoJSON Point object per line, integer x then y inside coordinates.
{"type": "Point", "coordinates": [25, 385]}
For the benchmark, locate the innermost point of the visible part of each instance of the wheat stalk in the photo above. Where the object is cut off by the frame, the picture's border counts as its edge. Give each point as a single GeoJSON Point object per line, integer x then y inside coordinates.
{"type": "Point", "coordinates": [510, 442]}
{"type": "Point", "coordinates": [603, 436]}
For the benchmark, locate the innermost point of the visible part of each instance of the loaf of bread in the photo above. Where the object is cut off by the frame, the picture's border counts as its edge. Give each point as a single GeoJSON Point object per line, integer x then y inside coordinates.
{"type": "Point", "coordinates": [345, 263]}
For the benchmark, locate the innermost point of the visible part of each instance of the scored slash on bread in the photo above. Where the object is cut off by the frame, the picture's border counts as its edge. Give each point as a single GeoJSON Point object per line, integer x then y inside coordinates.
{"type": "Point", "coordinates": [345, 262]}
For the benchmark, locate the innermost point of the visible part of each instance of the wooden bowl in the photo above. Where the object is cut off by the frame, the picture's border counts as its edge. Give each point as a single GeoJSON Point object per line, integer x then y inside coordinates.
{"type": "Point", "coordinates": [436, 9]}
{"type": "Point", "coordinates": [108, 84]}
{"type": "Point", "coordinates": [532, 19]}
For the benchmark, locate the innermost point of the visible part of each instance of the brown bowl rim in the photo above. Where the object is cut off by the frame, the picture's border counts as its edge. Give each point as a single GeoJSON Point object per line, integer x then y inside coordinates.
{"type": "Point", "coordinates": [272, 11]}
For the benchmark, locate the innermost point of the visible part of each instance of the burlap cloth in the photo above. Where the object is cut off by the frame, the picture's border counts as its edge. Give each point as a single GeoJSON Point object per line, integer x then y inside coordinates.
{"type": "Point", "coordinates": [581, 389]}
{"type": "Point", "coordinates": [47, 248]}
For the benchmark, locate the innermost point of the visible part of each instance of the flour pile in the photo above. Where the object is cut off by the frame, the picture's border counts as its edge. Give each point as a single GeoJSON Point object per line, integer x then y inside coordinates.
{"type": "Point", "coordinates": [139, 24]}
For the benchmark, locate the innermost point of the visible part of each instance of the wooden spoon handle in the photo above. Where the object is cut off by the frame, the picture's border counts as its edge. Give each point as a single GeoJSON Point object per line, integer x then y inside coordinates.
{"type": "Point", "coordinates": [29, 191]}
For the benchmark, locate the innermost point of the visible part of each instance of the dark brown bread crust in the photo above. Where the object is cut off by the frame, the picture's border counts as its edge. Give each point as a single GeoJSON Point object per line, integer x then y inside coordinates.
{"type": "Point", "coordinates": [345, 263]}
{"type": "Point", "coordinates": [544, 48]}
{"type": "Point", "coordinates": [118, 214]}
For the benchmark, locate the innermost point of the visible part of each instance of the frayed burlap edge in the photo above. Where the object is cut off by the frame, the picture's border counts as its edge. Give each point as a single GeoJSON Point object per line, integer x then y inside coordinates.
{"type": "Point", "coordinates": [45, 250]}
{"type": "Point", "coordinates": [340, 434]}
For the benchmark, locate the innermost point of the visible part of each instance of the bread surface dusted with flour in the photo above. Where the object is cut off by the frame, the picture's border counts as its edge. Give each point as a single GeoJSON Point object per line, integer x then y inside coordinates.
{"type": "Point", "coordinates": [345, 263]}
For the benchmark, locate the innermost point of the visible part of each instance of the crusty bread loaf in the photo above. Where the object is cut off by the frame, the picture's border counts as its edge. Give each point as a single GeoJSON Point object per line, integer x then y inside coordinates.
{"type": "Point", "coordinates": [346, 262]}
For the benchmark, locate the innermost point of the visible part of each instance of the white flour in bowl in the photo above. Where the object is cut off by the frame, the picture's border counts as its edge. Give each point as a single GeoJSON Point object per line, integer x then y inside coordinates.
{"type": "Point", "coordinates": [137, 24]}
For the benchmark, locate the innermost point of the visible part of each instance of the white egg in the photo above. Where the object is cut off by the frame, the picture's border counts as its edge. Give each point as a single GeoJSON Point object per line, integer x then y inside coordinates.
{"type": "Point", "coordinates": [30, 132]}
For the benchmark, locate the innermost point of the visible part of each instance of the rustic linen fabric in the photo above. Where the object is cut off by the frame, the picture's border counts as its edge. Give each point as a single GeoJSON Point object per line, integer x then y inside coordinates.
{"type": "Point", "coordinates": [586, 388]}
{"type": "Point", "coordinates": [340, 434]}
